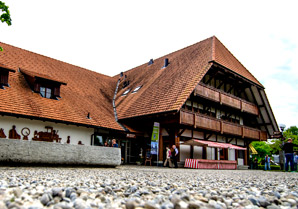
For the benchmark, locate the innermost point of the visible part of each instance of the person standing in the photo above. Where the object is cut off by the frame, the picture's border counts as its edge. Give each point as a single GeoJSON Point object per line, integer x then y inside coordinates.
{"type": "Point", "coordinates": [168, 158]}
{"type": "Point", "coordinates": [255, 163]}
{"type": "Point", "coordinates": [267, 163]}
{"type": "Point", "coordinates": [114, 143]}
{"type": "Point", "coordinates": [289, 153]}
{"type": "Point", "coordinates": [175, 155]}
{"type": "Point", "coordinates": [295, 161]}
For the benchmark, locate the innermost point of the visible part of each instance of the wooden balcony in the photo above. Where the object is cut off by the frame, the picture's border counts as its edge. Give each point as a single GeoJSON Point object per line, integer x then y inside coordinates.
{"type": "Point", "coordinates": [225, 99]}
{"type": "Point", "coordinates": [206, 122]}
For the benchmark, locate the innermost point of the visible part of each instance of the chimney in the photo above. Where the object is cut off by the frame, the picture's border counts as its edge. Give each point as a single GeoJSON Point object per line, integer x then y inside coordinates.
{"type": "Point", "coordinates": [166, 63]}
{"type": "Point", "coordinates": [151, 62]}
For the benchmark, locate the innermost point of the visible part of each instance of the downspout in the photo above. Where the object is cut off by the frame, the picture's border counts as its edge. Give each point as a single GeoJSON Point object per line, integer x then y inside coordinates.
{"type": "Point", "coordinates": [114, 106]}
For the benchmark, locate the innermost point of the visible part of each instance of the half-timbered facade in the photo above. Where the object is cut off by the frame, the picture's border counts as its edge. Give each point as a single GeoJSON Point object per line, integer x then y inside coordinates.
{"type": "Point", "coordinates": [201, 92]}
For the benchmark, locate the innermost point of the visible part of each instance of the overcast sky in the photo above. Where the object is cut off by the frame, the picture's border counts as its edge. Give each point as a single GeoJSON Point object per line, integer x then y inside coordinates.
{"type": "Point", "coordinates": [116, 35]}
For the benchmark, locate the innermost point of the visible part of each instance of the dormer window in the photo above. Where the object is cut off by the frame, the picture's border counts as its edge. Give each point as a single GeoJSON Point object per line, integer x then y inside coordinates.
{"type": "Point", "coordinates": [4, 74]}
{"type": "Point", "coordinates": [46, 86]}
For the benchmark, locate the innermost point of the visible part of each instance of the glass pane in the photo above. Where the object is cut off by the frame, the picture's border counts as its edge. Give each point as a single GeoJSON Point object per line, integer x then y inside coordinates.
{"type": "Point", "coordinates": [48, 93]}
{"type": "Point", "coordinates": [43, 91]}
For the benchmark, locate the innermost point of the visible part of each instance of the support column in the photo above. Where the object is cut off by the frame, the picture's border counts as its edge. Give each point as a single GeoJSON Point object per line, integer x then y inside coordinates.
{"type": "Point", "coordinates": [177, 143]}
{"type": "Point", "coordinates": [160, 147]}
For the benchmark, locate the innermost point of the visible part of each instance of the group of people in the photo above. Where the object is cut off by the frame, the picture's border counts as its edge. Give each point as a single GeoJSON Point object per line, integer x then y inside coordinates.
{"type": "Point", "coordinates": [290, 157]}
{"type": "Point", "coordinates": [114, 144]}
{"type": "Point", "coordinates": [171, 155]}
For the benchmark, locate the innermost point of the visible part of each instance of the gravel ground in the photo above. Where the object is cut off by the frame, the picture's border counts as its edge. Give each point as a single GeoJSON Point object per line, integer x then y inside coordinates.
{"type": "Point", "coordinates": [145, 187]}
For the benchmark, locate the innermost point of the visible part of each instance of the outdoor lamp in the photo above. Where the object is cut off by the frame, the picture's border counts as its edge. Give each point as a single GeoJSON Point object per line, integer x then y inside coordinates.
{"type": "Point", "coordinates": [282, 127]}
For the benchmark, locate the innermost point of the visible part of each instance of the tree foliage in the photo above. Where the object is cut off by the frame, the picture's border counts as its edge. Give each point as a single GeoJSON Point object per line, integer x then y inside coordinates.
{"type": "Point", "coordinates": [4, 16]}
{"type": "Point", "coordinates": [291, 132]}
{"type": "Point", "coordinates": [262, 148]}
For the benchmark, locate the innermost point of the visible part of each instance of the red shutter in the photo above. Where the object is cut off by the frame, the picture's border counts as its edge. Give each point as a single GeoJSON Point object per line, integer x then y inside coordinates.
{"type": "Point", "coordinates": [57, 91]}
{"type": "Point", "coordinates": [36, 87]}
{"type": "Point", "coordinates": [4, 79]}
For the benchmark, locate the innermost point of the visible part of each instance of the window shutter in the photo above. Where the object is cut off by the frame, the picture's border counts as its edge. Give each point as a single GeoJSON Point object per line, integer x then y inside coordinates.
{"type": "Point", "coordinates": [37, 87]}
{"type": "Point", "coordinates": [57, 91]}
{"type": "Point", "coordinates": [4, 79]}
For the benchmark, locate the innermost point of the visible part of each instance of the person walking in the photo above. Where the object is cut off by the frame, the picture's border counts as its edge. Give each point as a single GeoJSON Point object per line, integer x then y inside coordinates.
{"type": "Point", "coordinates": [175, 155]}
{"type": "Point", "coordinates": [168, 158]}
{"type": "Point", "coordinates": [267, 163]}
{"type": "Point", "coordinates": [289, 153]}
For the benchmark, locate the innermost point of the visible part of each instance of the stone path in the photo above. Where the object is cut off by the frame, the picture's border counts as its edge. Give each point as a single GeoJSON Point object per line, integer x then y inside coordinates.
{"type": "Point", "coordinates": [145, 187]}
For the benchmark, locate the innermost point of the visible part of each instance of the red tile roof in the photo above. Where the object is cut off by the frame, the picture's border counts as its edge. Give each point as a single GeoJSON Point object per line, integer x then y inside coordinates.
{"type": "Point", "coordinates": [85, 92]}
{"type": "Point", "coordinates": [167, 89]}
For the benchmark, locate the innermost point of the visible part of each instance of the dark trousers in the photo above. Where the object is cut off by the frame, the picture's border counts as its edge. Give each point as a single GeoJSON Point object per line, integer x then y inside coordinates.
{"type": "Point", "coordinates": [289, 158]}
{"type": "Point", "coordinates": [175, 161]}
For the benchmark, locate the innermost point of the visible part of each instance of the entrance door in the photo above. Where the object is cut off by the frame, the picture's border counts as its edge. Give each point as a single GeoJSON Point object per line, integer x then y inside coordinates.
{"type": "Point", "coordinates": [126, 151]}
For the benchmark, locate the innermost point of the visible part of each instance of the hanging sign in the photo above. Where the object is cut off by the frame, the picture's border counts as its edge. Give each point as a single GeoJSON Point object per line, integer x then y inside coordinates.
{"type": "Point", "coordinates": [155, 139]}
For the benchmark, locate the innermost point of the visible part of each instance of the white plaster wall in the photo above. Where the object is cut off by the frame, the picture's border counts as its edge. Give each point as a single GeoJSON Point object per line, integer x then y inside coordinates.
{"type": "Point", "coordinates": [212, 138]}
{"type": "Point", "coordinates": [220, 139]}
{"type": "Point", "coordinates": [184, 152]}
{"type": "Point", "coordinates": [186, 133]}
{"type": "Point", "coordinates": [240, 142]}
{"type": "Point", "coordinates": [197, 152]}
{"type": "Point", "coordinates": [76, 133]}
{"type": "Point", "coordinates": [233, 141]}
{"type": "Point", "coordinates": [232, 154]}
{"type": "Point", "coordinates": [198, 135]}
{"type": "Point", "coordinates": [164, 132]}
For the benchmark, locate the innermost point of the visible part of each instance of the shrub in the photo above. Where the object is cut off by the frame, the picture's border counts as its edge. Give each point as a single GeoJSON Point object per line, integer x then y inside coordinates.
{"type": "Point", "coordinates": [273, 167]}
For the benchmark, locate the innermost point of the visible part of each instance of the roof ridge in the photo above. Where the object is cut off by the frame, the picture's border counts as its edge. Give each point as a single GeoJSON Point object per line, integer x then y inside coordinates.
{"type": "Point", "coordinates": [35, 53]}
{"type": "Point", "coordinates": [217, 43]}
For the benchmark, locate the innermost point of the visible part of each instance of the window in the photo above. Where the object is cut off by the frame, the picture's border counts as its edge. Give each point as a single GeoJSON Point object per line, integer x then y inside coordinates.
{"type": "Point", "coordinates": [44, 85]}
{"type": "Point", "coordinates": [126, 92]}
{"type": "Point", "coordinates": [4, 74]}
{"type": "Point", "coordinates": [46, 92]}
{"type": "Point", "coordinates": [136, 89]}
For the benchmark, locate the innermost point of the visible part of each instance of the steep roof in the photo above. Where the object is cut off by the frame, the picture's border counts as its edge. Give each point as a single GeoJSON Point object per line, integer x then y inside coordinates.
{"type": "Point", "coordinates": [85, 92]}
{"type": "Point", "coordinates": [166, 89]}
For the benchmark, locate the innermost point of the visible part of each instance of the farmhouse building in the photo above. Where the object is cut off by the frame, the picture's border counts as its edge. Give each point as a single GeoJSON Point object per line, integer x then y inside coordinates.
{"type": "Point", "coordinates": [200, 95]}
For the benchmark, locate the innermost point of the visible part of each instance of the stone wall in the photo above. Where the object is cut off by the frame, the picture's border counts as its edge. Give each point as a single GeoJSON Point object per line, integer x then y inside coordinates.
{"type": "Point", "coordinates": [20, 151]}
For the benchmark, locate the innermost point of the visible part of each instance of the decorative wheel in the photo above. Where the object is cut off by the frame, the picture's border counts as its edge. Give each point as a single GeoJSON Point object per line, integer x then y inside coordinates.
{"type": "Point", "coordinates": [25, 132]}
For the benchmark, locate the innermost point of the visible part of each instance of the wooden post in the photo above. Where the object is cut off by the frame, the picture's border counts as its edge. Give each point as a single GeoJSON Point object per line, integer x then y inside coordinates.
{"type": "Point", "coordinates": [177, 143]}
{"type": "Point", "coordinates": [191, 151]}
{"type": "Point", "coordinates": [160, 147]}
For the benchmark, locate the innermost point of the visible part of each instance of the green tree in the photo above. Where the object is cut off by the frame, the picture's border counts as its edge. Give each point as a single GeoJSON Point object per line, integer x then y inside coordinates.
{"type": "Point", "coordinates": [4, 15]}
{"type": "Point", "coordinates": [262, 148]}
{"type": "Point", "coordinates": [291, 132]}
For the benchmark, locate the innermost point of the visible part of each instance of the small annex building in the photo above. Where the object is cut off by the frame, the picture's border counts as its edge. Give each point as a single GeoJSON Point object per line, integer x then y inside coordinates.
{"type": "Point", "coordinates": [200, 94]}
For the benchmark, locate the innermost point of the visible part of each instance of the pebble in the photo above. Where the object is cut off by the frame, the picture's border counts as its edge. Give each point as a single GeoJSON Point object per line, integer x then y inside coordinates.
{"type": "Point", "coordinates": [136, 187]}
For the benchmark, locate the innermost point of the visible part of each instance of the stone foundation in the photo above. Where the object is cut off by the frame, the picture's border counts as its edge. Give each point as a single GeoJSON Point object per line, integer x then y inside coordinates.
{"type": "Point", "coordinates": [32, 152]}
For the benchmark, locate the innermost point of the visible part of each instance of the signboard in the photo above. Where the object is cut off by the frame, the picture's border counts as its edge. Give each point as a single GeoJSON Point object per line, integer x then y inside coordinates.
{"type": "Point", "coordinates": [131, 136]}
{"type": "Point", "coordinates": [155, 139]}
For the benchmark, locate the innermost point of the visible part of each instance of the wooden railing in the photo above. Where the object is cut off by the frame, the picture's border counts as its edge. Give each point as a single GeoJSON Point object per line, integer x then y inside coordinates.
{"type": "Point", "coordinates": [225, 99]}
{"type": "Point", "coordinates": [198, 120]}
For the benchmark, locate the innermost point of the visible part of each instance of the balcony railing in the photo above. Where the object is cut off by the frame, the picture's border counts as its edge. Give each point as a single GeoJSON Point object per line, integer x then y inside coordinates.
{"type": "Point", "coordinates": [226, 99]}
{"type": "Point", "coordinates": [206, 122]}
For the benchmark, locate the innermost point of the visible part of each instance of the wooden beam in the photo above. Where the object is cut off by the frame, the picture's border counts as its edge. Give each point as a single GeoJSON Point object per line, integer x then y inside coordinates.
{"type": "Point", "coordinates": [181, 132]}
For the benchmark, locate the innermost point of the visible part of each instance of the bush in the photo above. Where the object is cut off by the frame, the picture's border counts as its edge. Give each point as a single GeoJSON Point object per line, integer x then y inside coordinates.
{"type": "Point", "coordinates": [273, 167]}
